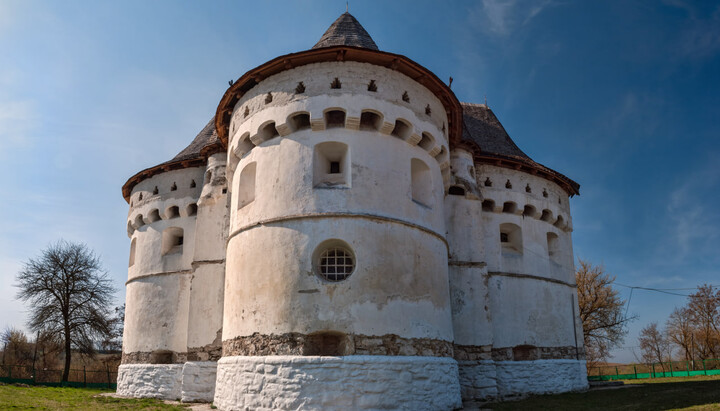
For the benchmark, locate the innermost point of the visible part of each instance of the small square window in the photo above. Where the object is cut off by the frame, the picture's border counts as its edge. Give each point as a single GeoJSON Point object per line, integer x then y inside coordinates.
{"type": "Point", "coordinates": [331, 165]}
{"type": "Point", "coordinates": [504, 238]}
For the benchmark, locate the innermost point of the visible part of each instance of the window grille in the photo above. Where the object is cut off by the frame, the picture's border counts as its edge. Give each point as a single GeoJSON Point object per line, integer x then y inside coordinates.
{"type": "Point", "coordinates": [336, 264]}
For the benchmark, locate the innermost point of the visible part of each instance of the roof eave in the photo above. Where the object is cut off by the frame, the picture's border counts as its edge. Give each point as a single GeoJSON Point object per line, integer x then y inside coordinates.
{"type": "Point", "coordinates": [566, 183]}
{"type": "Point", "coordinates": [168, 166]}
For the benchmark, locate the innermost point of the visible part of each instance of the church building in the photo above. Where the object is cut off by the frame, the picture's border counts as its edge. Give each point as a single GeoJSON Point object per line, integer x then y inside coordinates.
{"type": "Point", "coordinates": [345, 234]}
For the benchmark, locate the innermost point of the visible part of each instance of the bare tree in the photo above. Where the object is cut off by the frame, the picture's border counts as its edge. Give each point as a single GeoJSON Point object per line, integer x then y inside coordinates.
{"type": "Point", "coordinates": [69, 296]}
{"type": "Point", "coordinates": [704, 311]}
{"type": "Point", "coordinates": [653, 345]}
{"type": "Point", "coordinates": [601, 311]}
{"type": "Point", "coordinates": [18, 350]}
{"type": "Point", "coordinates": [680, 332]}
{"type": "Point", "coordinates": [49, 346]}
{"type": "Point", "coordinates": [113, 342]}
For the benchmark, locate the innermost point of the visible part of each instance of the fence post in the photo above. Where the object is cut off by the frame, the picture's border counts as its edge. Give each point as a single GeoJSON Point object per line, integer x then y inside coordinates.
{"type": "Point", "coordinates": [33, 374]}
{"type": "Point", "coordinates": [704, 369]}
{"type": "Point", "coordinates": [635, 369]}
{"type": "Point", "coordinates": [107, 368]}
{"type": "Point", "coordinates": [687, 367]}
{"type": "Point", "coordinates": [653, 370]}
{"type": "Point", "coordinates": [84, 377]}
{"type": "Point", "coordinates": [617, 373]}
{"type": "Point", "coordinates": [671, 371]}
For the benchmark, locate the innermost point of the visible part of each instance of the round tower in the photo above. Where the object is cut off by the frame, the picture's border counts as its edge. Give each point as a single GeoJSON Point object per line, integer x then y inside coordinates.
{"type": "Point", "coordinates": [511, 268]}
{"type": "Point", "coordinates": [173, 314]}
{"type": "Point", "coordinates": [336, 284]}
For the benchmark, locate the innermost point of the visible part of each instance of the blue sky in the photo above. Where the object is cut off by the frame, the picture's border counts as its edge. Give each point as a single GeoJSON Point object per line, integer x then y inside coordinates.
{"type": "Point", "coordinates": [622, 96]}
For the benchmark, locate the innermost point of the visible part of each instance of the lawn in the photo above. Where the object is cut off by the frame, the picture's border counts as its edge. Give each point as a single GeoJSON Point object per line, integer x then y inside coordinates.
{"type": "Point", "coordinates": [681, 393]}
{"type": "Point", "coordinates": [52, 398]}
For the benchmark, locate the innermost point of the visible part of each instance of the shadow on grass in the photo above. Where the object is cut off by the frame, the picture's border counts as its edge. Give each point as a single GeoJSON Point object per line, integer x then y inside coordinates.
{"type": "Point", "coordinates": [656, 396]}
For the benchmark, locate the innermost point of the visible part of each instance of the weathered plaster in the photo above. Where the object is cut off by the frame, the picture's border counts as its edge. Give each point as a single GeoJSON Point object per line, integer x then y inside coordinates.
{"type": "Point", "coordinates": [353, 344]}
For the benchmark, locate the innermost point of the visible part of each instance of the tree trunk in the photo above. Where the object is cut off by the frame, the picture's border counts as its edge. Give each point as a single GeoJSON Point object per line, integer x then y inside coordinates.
{"type": "Point", "coordinates": [66, 370]}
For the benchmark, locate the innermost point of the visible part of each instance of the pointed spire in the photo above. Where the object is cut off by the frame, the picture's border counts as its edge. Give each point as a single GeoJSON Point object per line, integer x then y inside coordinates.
{"type": "Point", "coordinates": [346, 31]}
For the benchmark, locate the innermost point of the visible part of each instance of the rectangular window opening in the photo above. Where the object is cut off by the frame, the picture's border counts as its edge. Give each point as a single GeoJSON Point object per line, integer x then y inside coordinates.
{"type": "Point", "coordinates": [331, 167]}
{"type": "Point", "coordinates": [334, 167]}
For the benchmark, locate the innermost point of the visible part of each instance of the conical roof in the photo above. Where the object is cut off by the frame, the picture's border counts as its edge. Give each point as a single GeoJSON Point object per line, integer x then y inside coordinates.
{"type": "Point", "coordinates": [346, 31]}
{"type": "Point", "coordinates": [205, 139]}
{"type": "Point", "coordinates": [483, 129]}
{"type": "Point", "coordinates": [195, 154]}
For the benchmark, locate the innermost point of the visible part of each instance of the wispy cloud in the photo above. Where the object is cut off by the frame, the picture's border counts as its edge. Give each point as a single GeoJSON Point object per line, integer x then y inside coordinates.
{"type": "Point", "coordinates": [502, 17]}
{"type": "Point", "coordinates": [700, 36]}
{"type": "Point", "coordinates": [8, 12]}
{"type": "Point", "coordinates": [693, 219]}
{"type": "Point", "coordinates": [16, 124]}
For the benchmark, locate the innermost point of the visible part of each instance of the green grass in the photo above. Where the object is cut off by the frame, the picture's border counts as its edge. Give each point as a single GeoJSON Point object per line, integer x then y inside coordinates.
{"type": "Point", "coordinates": [52, 398]}
{"type": "Point", "coordinates": [698, 393]}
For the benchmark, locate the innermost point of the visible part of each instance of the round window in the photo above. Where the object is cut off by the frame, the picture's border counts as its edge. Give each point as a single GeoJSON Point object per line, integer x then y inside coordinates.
{"type": "Point", "coordinates": [335, 263]}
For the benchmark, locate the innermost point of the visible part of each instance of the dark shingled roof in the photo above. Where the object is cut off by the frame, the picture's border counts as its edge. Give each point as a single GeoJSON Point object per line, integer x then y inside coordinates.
{"type": "Point", "coordinates": [205, 138]}
{"type": "Point", "coordinates": [195, 154]}
{"type": "Point", "coordinates": [346, 31]}
{"type": "Point", "coordinates": [482, 129]}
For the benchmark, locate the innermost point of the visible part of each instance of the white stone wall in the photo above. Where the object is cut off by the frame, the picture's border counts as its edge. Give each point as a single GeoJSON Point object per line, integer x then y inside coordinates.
{"type": "Point", "coordinates": [488, 380]}
{"type": "Point", "coordinates": [206, 305]}
{"type": "Point", "coordinates": [337, 383]}
{"type": "Point", "coordinates": [478, 380]}
{"type": "Point", "coordinates": [175, 301]}
{"type": "Point", "coordinates": [534, 257]}
{"type": "Point", "coordinates": [208, 280]}
{"type": "Point", "coordinates": [519, 378]}
{"type": "Point", "coordinates": [150, 381]}
{"type": "Point", "coordinates": [533, 312]}
{"type": "Point", "coordinates": [400, 282]}
{"type": "Point", "coordinates": [399, 285]}
{"type": "Point", "coordinates": [198, 381]}
{"type": "Point", "coordinates": [156, 313]}
{"type": "Point", "coordinates": [380, 180]}
{"type": "Point", "coordinates": [472, 317]}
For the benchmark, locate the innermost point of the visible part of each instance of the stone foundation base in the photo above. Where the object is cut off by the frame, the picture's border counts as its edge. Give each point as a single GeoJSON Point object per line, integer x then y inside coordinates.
{"type": "Point", "coordinates": [485, 380]}
{"type": "Point", "coordinates": [150, 381]}
{"type": "Point", "coordinates": [189, 382]}
{"type": "Point", "coordinates": [198, 381]}
{"type": "Point", "coordinates": [518, 378]}
{"type": "Point", "coordinates": [478, 380]}
{"type": "Point", "coordinates": [337, 383]}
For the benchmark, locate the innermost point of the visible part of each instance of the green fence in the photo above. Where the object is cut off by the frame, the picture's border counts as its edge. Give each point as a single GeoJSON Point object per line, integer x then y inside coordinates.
{"type": "Point", "coordinates": [656, 370]}
{"type": "Point", "coordinates": [77, 378]}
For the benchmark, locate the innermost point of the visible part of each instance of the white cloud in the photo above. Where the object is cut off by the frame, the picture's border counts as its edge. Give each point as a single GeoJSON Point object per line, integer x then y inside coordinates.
{"type": "Point", "coordinates": [502, 17]}
{"type": "Point", "coordinates": [13, 312]}
{"type": "Point", "coordinates": [699, 37]}
{"type": "Point", "coordinates": [17, 120]}
{"type": "Point", "coordinates": [693, 220]}
{"type": "Point", "coordinates": [8, 15]}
